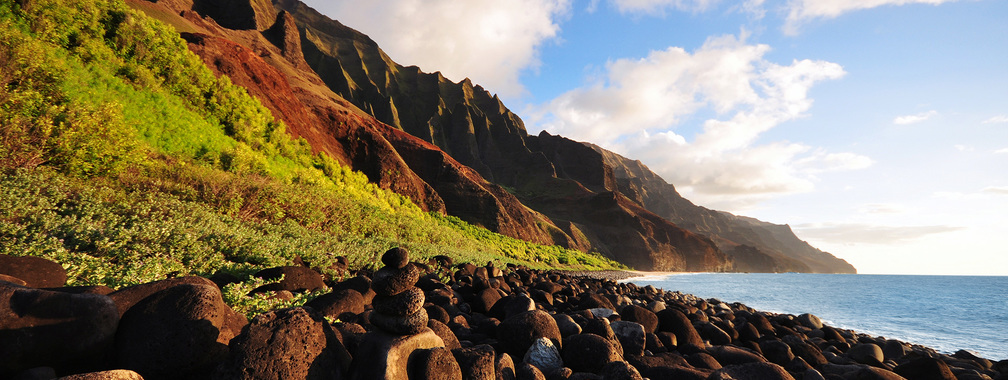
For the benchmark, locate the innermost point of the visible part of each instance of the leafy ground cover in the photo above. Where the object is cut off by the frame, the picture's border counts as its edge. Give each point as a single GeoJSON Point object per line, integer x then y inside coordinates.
{"type": "Point", "coordinates": [125, 159]}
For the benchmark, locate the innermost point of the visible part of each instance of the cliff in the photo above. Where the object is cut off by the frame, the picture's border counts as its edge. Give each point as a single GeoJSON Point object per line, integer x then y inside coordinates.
{"type": "Point", "coordinates": [456, 148]}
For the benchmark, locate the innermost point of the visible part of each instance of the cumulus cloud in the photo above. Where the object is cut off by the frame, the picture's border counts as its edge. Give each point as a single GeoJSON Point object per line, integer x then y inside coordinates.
{"type": "Point", "coordinates": [802, 11]}
{"type": "Point", "coordinates": [636, 105]}
{"type": "Point", "coordinates": [882, 208]}
{"type": "Point", "coordinates": [997, 119]}
{"type": "Point", "coordinates": [998, 190]}
{"type": "Point", "coordinates": [488, 41]}
{"type": "Point", "coordinates": [916, 118]}
{"type": "Point", "coordinates": [861, 233]}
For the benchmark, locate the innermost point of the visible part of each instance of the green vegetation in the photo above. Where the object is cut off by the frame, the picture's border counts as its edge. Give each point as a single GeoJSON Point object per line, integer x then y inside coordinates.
{"type": "Point", "coordinates": [125, 159]}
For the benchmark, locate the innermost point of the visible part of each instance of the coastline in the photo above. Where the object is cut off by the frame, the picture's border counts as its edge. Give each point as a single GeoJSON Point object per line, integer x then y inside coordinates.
{"type": "Point", "coordinates": [454, 322]}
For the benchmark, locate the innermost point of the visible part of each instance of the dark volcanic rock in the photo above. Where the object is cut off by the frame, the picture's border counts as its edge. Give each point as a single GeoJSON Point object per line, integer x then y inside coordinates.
{"type": "Point", "coordinates": [519, 332]}
{"type": "Point", "coordinates": [674, 321]}
{"type": "Point", "coordinates": [620, 371]}
{"type": "Point", "coordinates": [401, 325]}
{"type": "Point", "coordinates": [395, 258]}
{"type": "Point", "coordinates": [751, 371]}
{"type": "Point", "coordinates": [525, 371]}
{"type": "Point", "coordinates": [391, 281]}
{"type": "Point", "coordinates": [385, 356]}
{"type": "Point", "coordinates": [291, 343]}
{"type": "Point", "coordinates": [589, 352]}
{"type": "Point", "coordinates": [36, 272]}
{"type": "Point", "coordinates": [126, 297]}
{"type": "Point", "coordinates": [436, 363]}
{"type": "Point", "coordinates": [477, 362]}
{"type": "Point", "coordinates": [69, 332]}
{"type": "Point", "coordinates": [645, 317]}
{"type": "Point", "coordinates": [177, 332]}
{"type": "Point", "coordinates": [925, 368]}
{"type": "Point", "coordinates": [338, 302]}
{"type": "Point", "coordinates": [406, 302]}
{"type": "Point", "coordinates": [451, 341]}
{"type": "Point", "coordinates": [295, 279]}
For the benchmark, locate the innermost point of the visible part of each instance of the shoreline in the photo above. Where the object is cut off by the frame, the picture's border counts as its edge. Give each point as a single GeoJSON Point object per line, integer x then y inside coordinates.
{"type": "Point", "coordinates": [453, 322]}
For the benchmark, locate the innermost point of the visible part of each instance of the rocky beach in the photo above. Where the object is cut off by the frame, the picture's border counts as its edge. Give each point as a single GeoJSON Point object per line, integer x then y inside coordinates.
{"type": "Point", "coordinates": [431, 320]}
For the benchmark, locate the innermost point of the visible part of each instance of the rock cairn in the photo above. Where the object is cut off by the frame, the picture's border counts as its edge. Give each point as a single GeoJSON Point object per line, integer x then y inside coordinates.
{"type": "Point", "coordinates": [398, 303]}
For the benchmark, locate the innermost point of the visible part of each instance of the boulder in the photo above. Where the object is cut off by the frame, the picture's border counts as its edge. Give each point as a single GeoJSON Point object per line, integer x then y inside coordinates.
{"type": "Point", "coordinates": [436, 363]}
{"type": "Point", "coordinates": [777, 352]}
{"type": "Point", "coordinates": [588, 352]}
{"type": "Point", "coordinates": [391, 281]}
{"type": "Point", "coordinates": [477, 362]}
{"type": "Point", "coordinates": [713, 334]}
{"type": "Point", "coordinates": [631, 336]}
{"type": "Point", "coordinates": [296, 278]}
{"type": "Point", "coordinates": [925, 368]}
{"type": "Point", "coordinates": [485, 300]}
{"type": "Point", "coordinates": [126, 297]}
{"type": "Point", "coordinates": [866, 353]}
{"type": "Point", "coordinates": [645, 317]}
{"type": "Point", "coordinates": [519, 332]}
{"type": "Point", "coordinates": [36, 272]}
{"type": "Point", "coordinates": [730, 355]}
{"type": "Point", "coordinates": [674, 321]}
{"type": "Point", "coordinates": [115, 374]}
{"type": "Point", "coordinates": [12, 280]}
{"type": "Point", "coordinates": [336, 303]}
{"type": "Point", "coordinates": [402, 325]}
{"type": "Point", "coordinates": [566, 325]}
{"type": "Point", "coordinates": [526, 371]}
{"type": "Point", "coordinates": [68, 332]}
{"type": "Point", "coordinates": [451, 341]}
{"type": "Point", "coordinates": [395, 258]}
{"type": "Point", "coordinates": [406, 302]}
{"type": "Point", "coordinates": [593, 301]}
{"type": "Point", "coordinates": [544, 355]}
{"type": "Point", "coordinates": [294, 343]}
{"type": "Point", "coordinates": [752, 371]}
{"type": "Point", "coordinates": [177, 332]}
{"type": "Point", "coordinates": [703, 360]}
{"type": "Point", "coordinates": [810, 321]}
{"type": "Point", "coordinates": [620, 370]}
{"type": "Point", "coordinates": [505, 367]}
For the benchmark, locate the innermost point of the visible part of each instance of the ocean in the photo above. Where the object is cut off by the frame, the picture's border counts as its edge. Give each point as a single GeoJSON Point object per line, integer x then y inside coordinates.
{"type": "Point", "coordinates": [947, 313]}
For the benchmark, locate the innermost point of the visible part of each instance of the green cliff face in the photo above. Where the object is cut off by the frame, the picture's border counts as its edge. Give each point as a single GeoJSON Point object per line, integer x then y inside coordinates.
{"type": "Point", "coordinates": [551, 174]}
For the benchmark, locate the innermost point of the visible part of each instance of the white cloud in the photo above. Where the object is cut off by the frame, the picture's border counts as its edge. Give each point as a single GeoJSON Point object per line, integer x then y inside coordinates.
{"type": "Point", "coordinates": [861, 233]}
{"type": "Point", "coordinates": [997, 190]}
{"type": "Point", "coordinates": [882, 208]}
{"type": "Point", "coordinates": [488, 41]}
{"type": "Point", "coordinates": [1001, 151]}
{"type": "Point", "coordinates": [634, 108]}
{"type": "Point", "coordinates": [997, 119]}
{"type": "Point", "coordinates": [912, 119]}
{"type": "Point", "coordinates": [802, 11]}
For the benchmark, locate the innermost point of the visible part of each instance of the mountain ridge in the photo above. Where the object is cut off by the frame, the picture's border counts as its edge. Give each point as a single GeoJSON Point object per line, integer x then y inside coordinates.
{"type": "Point", "coordinates": [533, 187]}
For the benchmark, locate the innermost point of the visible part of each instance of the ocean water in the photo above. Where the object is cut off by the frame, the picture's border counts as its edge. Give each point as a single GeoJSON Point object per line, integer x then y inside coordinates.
{"type": "Point", "coordinates": [947, 313]}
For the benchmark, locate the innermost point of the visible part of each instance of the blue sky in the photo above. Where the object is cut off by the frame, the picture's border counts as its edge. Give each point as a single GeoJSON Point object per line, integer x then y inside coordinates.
{"type": "Point", "coordinates": [877, 129]}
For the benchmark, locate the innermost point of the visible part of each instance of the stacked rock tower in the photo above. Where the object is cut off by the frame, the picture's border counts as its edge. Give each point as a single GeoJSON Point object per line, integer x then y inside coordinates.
{"type": "Point", "coordinates": [398, 303]}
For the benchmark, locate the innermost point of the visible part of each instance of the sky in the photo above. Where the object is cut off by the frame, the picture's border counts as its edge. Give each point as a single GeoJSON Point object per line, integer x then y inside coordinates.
{"type": "Point", "coordinates": [876, 129]}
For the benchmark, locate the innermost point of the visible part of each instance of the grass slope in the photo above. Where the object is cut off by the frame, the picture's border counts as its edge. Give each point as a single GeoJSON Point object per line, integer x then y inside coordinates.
{"type": "Point", "coordinates": [127, 160]}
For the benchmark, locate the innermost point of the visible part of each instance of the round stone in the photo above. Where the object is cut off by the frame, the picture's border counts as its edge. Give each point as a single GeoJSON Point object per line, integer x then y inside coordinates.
{"type": "Point", "coordinates": [401, 325]}
{"type": "Point", "coordinates": [391, 281]}
{"type": "Point", "coordinates": [404, 303]}
{"type": "Point", "coordinates": [395, 258]}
